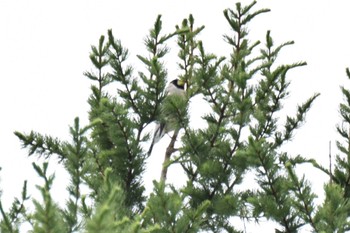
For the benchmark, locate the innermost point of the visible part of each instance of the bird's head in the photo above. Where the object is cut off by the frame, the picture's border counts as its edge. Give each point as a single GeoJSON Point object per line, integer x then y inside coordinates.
{"type": "Point", "coordinates": [178, 83]}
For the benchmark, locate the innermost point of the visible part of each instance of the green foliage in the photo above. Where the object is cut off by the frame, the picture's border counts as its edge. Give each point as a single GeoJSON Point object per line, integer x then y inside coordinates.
{"type": "Point", "coordinates": [168, 210]}
{"type": "Point", "coordinates": [10, 221]}
{"type": "Point", "coordinates": [242, 136]}
{"type": "Point", "coordinates": [41, 145]}
{"type": "Point", "coordinates": [341, 174]}
{"type": "Point", "coordinates": [245, 94]}
{"type": "Point", "coordinates": [333, 215]}
{"type": "Point", "coordinates": [123, 118]}
{"type": "Point", "coordinates": [47, 216]}
{"type": "Point", "coordinates": [109, 209]}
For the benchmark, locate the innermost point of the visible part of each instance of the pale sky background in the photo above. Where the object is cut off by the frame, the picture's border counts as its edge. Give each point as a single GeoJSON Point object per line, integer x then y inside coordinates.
{"type": "Point", "coordinates": [45, 46]}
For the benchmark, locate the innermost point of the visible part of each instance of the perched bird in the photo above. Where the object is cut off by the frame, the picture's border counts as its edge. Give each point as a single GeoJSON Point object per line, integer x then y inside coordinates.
{"type": "Point", "coordinates": [175, 87]}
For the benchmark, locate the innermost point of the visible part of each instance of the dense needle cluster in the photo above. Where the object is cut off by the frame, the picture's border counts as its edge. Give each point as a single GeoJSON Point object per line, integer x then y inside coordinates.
{"type": "Point", "coordinates": [242, 136]}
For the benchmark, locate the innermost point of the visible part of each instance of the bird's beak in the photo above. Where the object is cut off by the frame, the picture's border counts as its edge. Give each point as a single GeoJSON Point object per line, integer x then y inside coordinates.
{"type": "Point", "coordinates": [180, 82]}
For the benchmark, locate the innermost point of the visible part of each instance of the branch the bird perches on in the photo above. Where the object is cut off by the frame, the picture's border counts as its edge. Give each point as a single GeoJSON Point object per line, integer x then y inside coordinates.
{"type": "Point", "coordinates": [169, 151]}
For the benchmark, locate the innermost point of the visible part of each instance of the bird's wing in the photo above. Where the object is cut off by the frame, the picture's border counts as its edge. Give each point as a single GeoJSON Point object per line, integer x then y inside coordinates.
{"type": "Point", "coordinates": [159, 132]}
{"type": "Point", "coordinates": [171, 89]}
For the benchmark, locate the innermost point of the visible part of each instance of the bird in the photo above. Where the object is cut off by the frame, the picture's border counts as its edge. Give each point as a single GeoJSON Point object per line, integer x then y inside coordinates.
{"type": "Point", "coordinates": [175, 87]}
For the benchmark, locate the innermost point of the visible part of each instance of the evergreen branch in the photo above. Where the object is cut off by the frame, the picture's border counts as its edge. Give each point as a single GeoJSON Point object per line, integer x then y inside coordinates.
{"type": "Point", "coordinates": [99, 59]}
{"type": "Point", "coordinates": [5, 223]}
{"type": "Point", "coordinates": [97, 54]}
{"type": "Point", "coordinates": [98, 163]}
{"type": "Point", "coordinates": [153, 41]}
{"type": "Point", "coordinates": [206, 75]}
{"type": "Point", "coordinates": [18, 207]}
{"type": "Point", "coordinates": [267, 111]}
{"type": "Point", "coordinates": [144, 60]}
{"type": "Point", "coordinates": [271, 89]}
{"type": "Point", "coordinates": [129, 154]}
{"type": "Point", "coordinates": [237, 143]}
{"type": "Point", "coordinates": [237, 75]}
{"type": "Point", "coordinates": [192, 174]}
{"type": "Point", "coordinates": [347, 71]}
{"type": "Point", "coordinates": [222, 115]}
{"type": "Point", "coordinates": [76, 156]}
{"type": "Point", "coordinates": [219, 122]}
{"type": "Point", "coordinates": [293, 123]}
{"type": "Point", "coordinates": [325, 170]}
{"type": "Point", "coordinates": [233, 23]}
{"type": "Point", "coordinates": [341, 175]}
{"type": "Point", "coordinates": [332, 215]}
{"type": "Point", "coordinates": [155, 44]}
{"type": "Point", "coordinates": [47, 217]}
{"type": "Point", "coordinates": [188, 43]}
{"type": "Point", "coordinates": [273, 185]}
{"type": "Point", "coordinates": [117, 58]}
{"type": "Point", "coordinates": [246, 9]}
{"type": "Point", "coordinates": [42, 145]}
{"type": "Point", "coordinates": [130, 159]}
{"type": "Point", "coordinates": [10, 221]}
{"type": "Point", "coordinates": [104, 219]}
{"type": "Point", "coordinates": [305, 196]}
{"type": "Point", "coordinates": [237, 137]}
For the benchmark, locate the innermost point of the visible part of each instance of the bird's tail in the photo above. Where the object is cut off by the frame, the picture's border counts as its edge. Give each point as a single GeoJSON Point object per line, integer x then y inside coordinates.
{"type": "Point", "coordinates": [159, 132]}
{"type": "Point", "coordinates": [150, 149]}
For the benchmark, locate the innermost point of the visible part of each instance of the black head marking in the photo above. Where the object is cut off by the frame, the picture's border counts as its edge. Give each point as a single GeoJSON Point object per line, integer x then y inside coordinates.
{"type": "Point", "coordinates": [178, 84]}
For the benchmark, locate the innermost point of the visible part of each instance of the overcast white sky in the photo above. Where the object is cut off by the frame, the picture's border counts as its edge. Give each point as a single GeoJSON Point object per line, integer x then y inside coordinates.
{"type": "Point", "coordinates": [45, 46]}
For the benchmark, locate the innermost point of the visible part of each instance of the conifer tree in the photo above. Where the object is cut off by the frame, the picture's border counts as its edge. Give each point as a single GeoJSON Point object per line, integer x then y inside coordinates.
{"type": "Point", "coordinates": [341, 174]}
{"type": "Point", "coordinates": [245, 93]}
{"type": "Point", "coordinates": [333, 214]}
{"type": "Point", "coordinates": [242, 135]}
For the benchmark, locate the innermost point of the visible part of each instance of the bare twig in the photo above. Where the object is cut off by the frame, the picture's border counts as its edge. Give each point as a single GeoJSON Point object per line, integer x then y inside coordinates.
{"type": "Point", "coordinates": [169, 151]}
